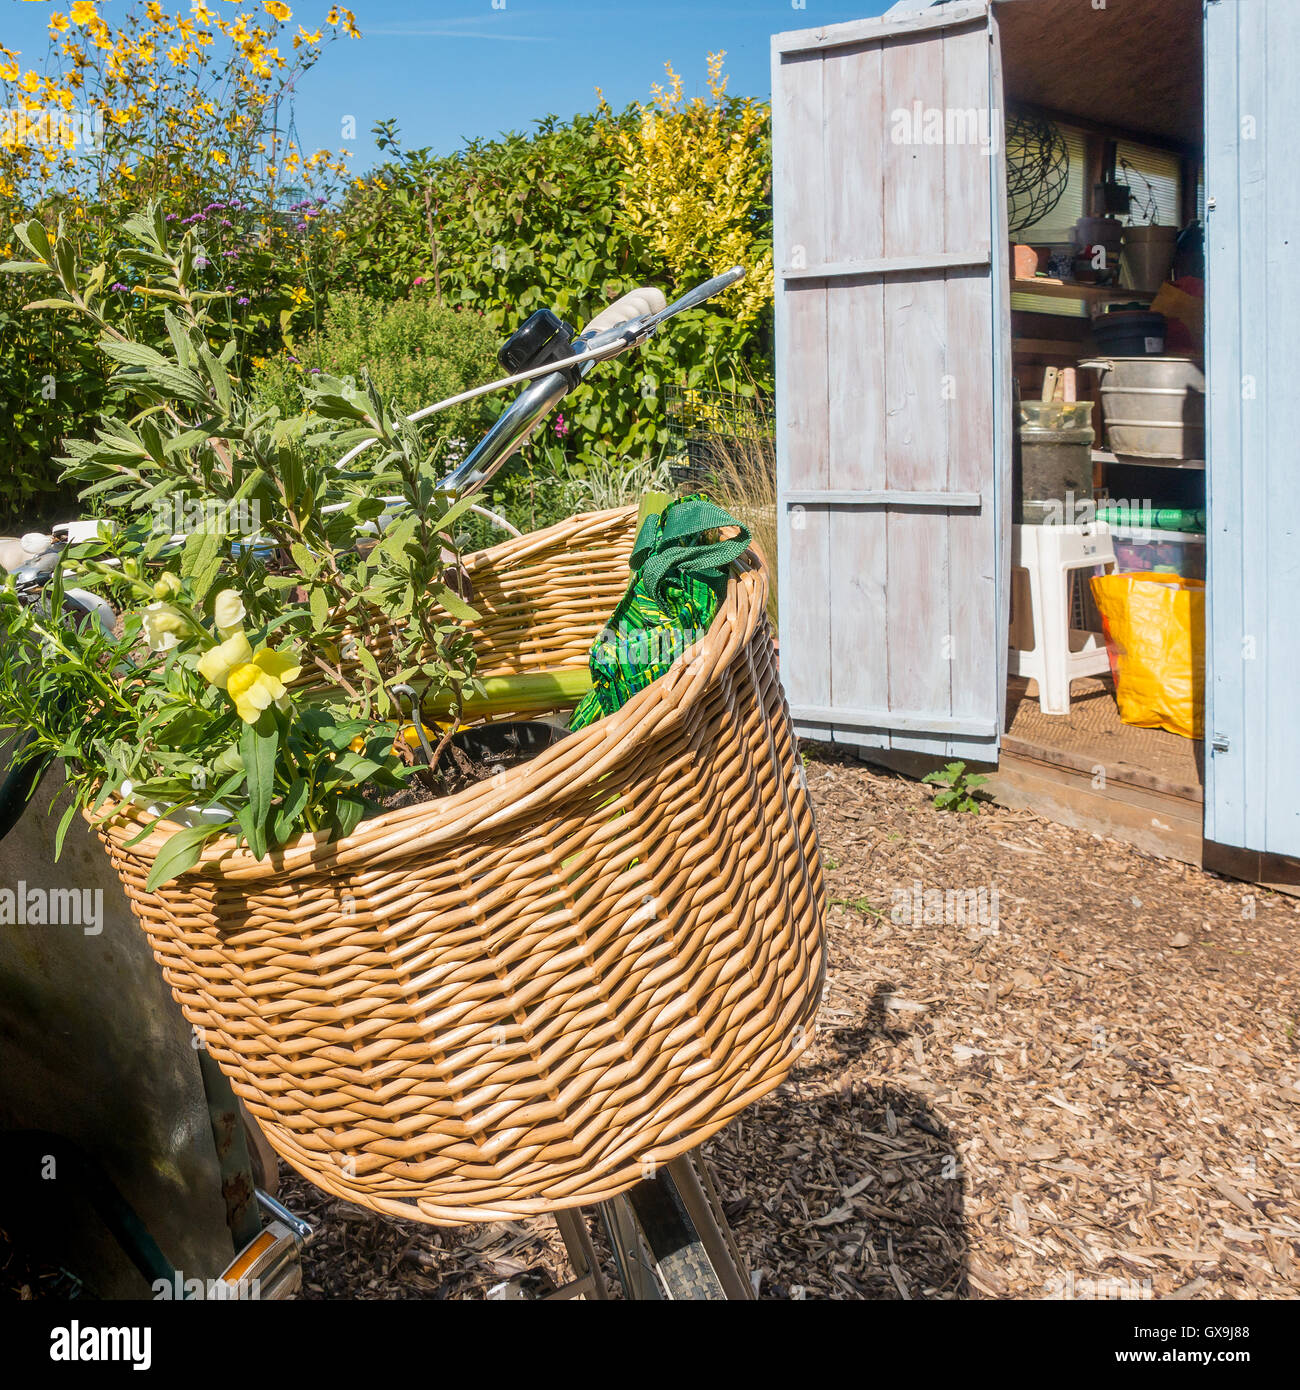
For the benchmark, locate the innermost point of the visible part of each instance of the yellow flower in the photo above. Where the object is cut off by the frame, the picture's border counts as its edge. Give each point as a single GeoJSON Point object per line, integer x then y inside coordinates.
{"type": "Point", "coordinates": [228, 610]}
{"type": "Point", "coordinates": [298, 295]}
{"type": "Point", "coordinates": [217, 663]}
{"type": "Point", "coordinates": [84, 12]}
{"type": "Point", "coordinates": [58, 23]}
{"type": "Point", "coordinates": [277, 9]}
{"type": "Point", "coordinates": [162, 623]}
{"type": "Point", "coordinates": [253, 685]}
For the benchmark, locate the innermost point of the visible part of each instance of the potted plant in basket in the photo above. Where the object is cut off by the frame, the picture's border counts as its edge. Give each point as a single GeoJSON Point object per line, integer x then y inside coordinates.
{"type": "Point", "coordinates": [249, 687]}
{"type": "Point", "coordinates": [495, 1001]}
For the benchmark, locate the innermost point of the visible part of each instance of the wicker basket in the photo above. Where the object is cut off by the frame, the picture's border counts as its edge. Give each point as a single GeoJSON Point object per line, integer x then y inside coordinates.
{"type": "Point", "coordinates": [509, 1001]}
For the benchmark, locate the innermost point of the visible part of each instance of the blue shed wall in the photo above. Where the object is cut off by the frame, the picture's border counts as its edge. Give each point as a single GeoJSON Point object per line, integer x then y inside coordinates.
{"type": "Point", "coordinates": [1253, 353]}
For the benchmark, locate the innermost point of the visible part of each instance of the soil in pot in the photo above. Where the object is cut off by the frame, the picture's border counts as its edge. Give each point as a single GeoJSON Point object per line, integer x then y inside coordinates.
{"type": "Point", "coordinates": [472, 755]}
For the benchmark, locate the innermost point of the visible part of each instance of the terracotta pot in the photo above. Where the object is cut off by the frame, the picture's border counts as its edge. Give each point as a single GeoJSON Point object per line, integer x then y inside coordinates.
{"type": "Point", "coordinates": [1024, 262]}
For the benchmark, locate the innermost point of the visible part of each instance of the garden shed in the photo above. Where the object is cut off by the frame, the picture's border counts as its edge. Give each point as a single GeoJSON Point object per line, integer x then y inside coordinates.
{"type": "Point", "coordinates": [904, 338]}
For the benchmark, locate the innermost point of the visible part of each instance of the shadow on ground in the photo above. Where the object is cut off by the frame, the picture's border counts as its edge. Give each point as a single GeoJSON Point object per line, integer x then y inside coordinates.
{"type": "Point", "coordinates": [840, 1189]}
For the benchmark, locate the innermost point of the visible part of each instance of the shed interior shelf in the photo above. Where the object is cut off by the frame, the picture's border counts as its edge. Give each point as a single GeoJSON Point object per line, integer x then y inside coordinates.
{"type": "Point", "coordinates": [1064, 289]}
{"type": "Point", "coordinates": [1105, 456]}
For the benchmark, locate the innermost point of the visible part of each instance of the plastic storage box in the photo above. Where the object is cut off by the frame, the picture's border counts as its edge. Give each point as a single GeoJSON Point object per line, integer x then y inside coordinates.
{"type": "Point", "coordinates": [1159, 552]}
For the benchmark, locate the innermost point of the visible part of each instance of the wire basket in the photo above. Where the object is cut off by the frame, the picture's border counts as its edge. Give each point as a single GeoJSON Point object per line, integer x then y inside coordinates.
{"type": "Point", "coordinates": [512, 1000]}
{"type": "Point", "coordinates": [705, 426]}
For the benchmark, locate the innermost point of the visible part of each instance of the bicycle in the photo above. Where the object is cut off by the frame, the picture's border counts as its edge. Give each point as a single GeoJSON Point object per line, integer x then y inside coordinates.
{"type": "Point", "coordinates": [668, 1235]}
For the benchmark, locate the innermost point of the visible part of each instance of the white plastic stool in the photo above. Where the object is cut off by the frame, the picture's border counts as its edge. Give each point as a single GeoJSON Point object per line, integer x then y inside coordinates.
{"type": "Point", "coordinates": [1061, 652]}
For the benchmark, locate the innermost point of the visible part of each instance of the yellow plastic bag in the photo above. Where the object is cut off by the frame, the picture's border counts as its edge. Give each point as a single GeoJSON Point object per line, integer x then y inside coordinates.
{"type": "Point", "coordinates": [1155, 630]}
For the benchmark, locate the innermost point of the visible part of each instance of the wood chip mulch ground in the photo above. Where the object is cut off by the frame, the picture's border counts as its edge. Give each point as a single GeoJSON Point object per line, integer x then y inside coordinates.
{"type": "Point", "coordinates": [1086, 1086]}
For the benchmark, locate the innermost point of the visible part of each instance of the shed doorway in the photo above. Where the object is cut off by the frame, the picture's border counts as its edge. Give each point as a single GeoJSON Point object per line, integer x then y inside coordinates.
{"type": "Point", "coordinates": [1106, 107]}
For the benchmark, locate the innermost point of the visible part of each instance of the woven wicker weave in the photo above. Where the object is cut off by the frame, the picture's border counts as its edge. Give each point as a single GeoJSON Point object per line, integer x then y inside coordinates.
{"type": "Point", "coordinates": [508, 1001]}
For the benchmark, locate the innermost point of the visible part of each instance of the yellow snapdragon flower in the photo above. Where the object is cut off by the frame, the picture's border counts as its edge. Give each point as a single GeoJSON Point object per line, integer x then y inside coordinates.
{"type": "Point", "coordinates": [216, 664]}
{"type": "Point", "coordinates": [254, 685]}
{"type": "Point", "coordinates": [163, 625]}
{"type": "Point", "coordinates": [228, 612]}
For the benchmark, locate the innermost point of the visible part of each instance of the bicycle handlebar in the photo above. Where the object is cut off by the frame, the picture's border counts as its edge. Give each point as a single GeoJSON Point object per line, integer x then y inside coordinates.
{"type": "Point", "coordinates": [636, 304]}
{"type": "Point", "coordinates": [628, 321]}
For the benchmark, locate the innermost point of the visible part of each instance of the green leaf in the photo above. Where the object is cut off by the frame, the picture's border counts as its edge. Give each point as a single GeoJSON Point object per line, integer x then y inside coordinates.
{"type": "Point", "coordinates": [453, 603]}
{"type": "Point", "coordinates": [367, 660]}
{"type": "Point", "coordinates": [320, 609]}
{"type": "Point", "coordinates": [290, 809]}
{"type": "Point", "coordinates": [181, 851]}
{"type": "Point", "coordinates": [34, 235]}
{"type": "Point", "coordinates": [63, 829]}
{"type": "Point", "coordinates": [257, 747]}
{"type": "Point", "coordinates": [347, 815]}
{"type": "Point", "coordinates": [305, 560]}
{"type": "Point", "coordinates": [254, 831]}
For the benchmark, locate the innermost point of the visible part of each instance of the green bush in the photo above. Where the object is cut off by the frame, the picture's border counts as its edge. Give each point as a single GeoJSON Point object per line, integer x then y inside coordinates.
{"type": "Point", "coordinates": [51, 383]}
{"type": "Point", "coordinates": [509, 226]}
{"type": "Point", "coordinates": [415, 352]}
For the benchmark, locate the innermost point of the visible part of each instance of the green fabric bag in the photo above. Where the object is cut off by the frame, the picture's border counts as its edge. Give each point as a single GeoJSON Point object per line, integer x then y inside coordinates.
{"type": "Point", "coordinates": [679, 576]}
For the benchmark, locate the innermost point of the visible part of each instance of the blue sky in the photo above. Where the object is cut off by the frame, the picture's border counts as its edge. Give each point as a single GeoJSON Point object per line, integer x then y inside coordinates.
{"type": "Point", "coordinates": [449, 70]}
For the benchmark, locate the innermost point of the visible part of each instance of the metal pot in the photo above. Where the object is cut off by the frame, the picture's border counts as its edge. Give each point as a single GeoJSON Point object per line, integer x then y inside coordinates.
{"type": "Point", "coordinates": [1154, 407]}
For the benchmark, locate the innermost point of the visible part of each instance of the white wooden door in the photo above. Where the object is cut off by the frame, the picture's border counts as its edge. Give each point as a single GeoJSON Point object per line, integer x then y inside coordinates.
{"type": "Point", "coordinates": [893, 344]}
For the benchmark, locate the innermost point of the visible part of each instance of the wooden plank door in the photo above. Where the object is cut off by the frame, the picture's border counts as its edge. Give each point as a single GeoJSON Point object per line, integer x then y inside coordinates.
{"type": "Point", "coordinates": [1252, 793]}
{"type": "Point", "coordinates": [893, 342]}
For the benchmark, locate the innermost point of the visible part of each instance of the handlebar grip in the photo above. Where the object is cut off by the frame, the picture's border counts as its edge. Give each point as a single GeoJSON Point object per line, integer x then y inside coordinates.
{"type": "Point", "coordinates": [635, 304]}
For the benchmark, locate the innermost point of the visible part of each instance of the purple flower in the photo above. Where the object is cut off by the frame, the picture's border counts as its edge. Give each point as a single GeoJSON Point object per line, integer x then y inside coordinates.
{"type": "Point", "coordinates": [172, 216]}
{"type": "Point", "coordinates": [289, 357]}
{"type": "Point", "coordinates": [315, 371]}
{"type": "Point", "coordinates": [226, 222]}
{"type": "Point", "coordinates": [230, 255]}
{"type": "Point", "coordinates": [121, 288]}
{"type": "Point", "coordinates": [300, 226]}
{"type": "Point", "coordinates": [243, 299]}
{"type": "Point", "coordinates": [419, 280]}
{"type": "Point", "coordinates": [561, 427]}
